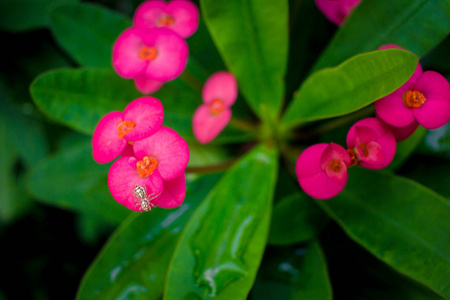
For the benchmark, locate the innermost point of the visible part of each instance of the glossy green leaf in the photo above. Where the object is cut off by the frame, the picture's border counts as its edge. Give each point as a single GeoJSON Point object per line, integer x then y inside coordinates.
{"type": "Point", "coordinates": [221, 247]}
{"type": "Point", "coordinates": [73, 180]}
{"type": "Point", "coordinates": [80, 98]}
{"type": "Point", "coordinates": [296, 218]}
{"type": "Point", "coordinates": [294, 273]}
{"type": "Point", "coordinates": [252, 37]}
{"type": "Point", "coordinates": [406, 148]}
{"type": "Point", "coordinates": [134, 262]}
{"type": "Point", "coordinates": [416, 25]}
{"type": "Point", "coordinates": [399, 221]}
{"type": "Point", "coordinates": [87, 32]}
{"type": "Point", "coordinates": [26, 14]}
{"type": "Point", "coordinates": [350, 86]}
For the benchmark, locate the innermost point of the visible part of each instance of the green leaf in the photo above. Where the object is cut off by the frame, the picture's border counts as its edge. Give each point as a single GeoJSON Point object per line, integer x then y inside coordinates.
{"type": "Point", "coordinates": [398, 221]}
{"type": "Point", "coordinates": [73, 180]}
{"type": "Point", "coordinates": [416, 25]}
{"type": "Point", "coordinates": [26, 14]}
{"type": "Point", "coordinates": [350, 86]}
{"type": "Point", "coordinates": [437, 142]}
{"type": "Point", "coordinates": [221, 247]}
{"type": "Point", "coordinates": [80, 98]}
{"type": "Point", "coordinates": [77, 25]}
{"type": "Point", "coordinates": [295, 219]}
{"type": "Point", "coordinates": [406, 148]}
{"type": "Point", "coordinates": [134, 262]}
{"type": "Point", "coordinates": [252, 37]}
{"type": "Point", "coordinates": [294, 273]}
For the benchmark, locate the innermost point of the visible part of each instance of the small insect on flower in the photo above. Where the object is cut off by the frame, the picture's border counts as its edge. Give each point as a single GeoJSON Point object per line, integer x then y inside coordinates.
{"type": "Point", "coordinates": [145, 203]}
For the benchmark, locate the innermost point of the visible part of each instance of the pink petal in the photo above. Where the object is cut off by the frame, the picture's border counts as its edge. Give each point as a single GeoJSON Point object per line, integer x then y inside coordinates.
{"type": "Point", "coordinates": [172, 54]}
{"type": "Point", "coordinates": [384, 137]}
{"type": "Point", "coordinates": [375, 157]}
{"type": "Point", "coordinates": [147, 115]}
{"type": "Point", "coordinates": [402, 133]}
{"type": "Point", "coordinates": [334, 151]}
{"type": "Point", "coordinates": [339, 177]}
{"type": "Point", "coordinates": [148, 14]}
{"type": "Point", "coordinates": [125, 58]}
{"type": "Point", "coordinates": [221, 85]}
{"type": "Point", "coordinates": [364, 135]}
{"type": "Point", "coordinates": [206, 127]}
{"type": "Point", "coordinates": [123, 177]}
{"type": "Point", "coordinates": [128, 151]}
{"type": "Point", "coordinates": [174, 192]}
{"type": "Point", "coordinates": [146, 85]}
{"type": "Point", "coordinates": [391, 108]}
{"type": "Point", "coordinates": [435, 112]}
{"type": "Point", "coordinates": [186, 17]}
{"type": "Point", "coordinates": [337, 10]}
{"type": "Point", "coordinates": [312, 179]}
{"type": "Point", "coordinates": [106, 143]}
{"type": "Point", "coordinates": [171, 151]}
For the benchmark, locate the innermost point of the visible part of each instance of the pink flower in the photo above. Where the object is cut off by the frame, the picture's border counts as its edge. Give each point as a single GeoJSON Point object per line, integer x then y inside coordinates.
{"type": "Point", "coordinates": [424, 98]}
{"type": "Point", "coordinates": [158, 168]}
{"type": "Point", "coordinates": [322, 170]}
{"type": "Point", "coordinates": [141, 118]}
{"type": "Point", "coordinates": [179, 15]}
{"type": "Point", "coordinates": [146, 85]}
{"type": "Point", "coordinates": [337, 10]}
{"type": "Point", "coordinates": [402, 133]}
{"type": "Point", "coordinates": [371, 143]}
{"type": "Point", "coordinates": [158, 54]}
{"type": "Point", "coordinates": [219, 94]}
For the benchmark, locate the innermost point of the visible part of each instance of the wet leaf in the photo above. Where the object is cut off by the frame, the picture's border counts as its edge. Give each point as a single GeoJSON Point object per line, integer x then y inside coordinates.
{"type": "Point", "coordinates": [293, 273]}
{"type": "Point", "coordinates": [222, 245]}
{"type": "Point", "coordinates": [134, 262]}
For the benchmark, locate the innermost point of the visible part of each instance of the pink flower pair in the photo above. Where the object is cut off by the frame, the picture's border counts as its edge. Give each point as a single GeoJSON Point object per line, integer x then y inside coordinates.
{"type": "Point", "coordinates": [322, 168]}
{"type": "Point", "coordinates": [337, 10]}
{"type": "Point", "coordinates": [153, 157]}
{"type": "Point", "coordinates": [219, 94]}
{"type": "Point", "coordinates": [154, 50]}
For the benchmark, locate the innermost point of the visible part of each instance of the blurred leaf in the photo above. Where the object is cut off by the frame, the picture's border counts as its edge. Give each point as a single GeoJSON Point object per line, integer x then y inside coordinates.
{"type": "Point", "coordinates": [406, 148]}
{"type": "Point", "coordinates": [437, 142]}
{"type": "Point", "coordinates": [222, 245]}
{"type": "Point", "coordinates": [71, 179]}
{"type": "Point", "coordinates": [416, 25]}
{"type": "Point", "coordinates": [295, 219]}
{"type": "Point", "coordinates": [252, 37]}
{"type": "Point", "coordinates": [294, 273]}
{"type": "Point", "coordinates": [430, 171]}
{"type": "Point", "coordinates": [201, 155]}
{"type": "Point", "coordinates": [77, 25]}
{"type": "Point", "coordinates": [308, 35]}
{"type": "Point", "coordinates": [80, 98]}
{"type": "Point", "coordinates": [134, 262]}
{"type": "Point", "coordinates": [91, 228]}
{"type": "Point", "coordinates": [350, 86]}
{"type": "Point", "coordinates": [26, 14]}
{"type": "Point", "coordinates": [390, 217]}
{"type": "Point", "coordinates": [356, 274]}
{"type": "Point", "coordinates": [23, 145]}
